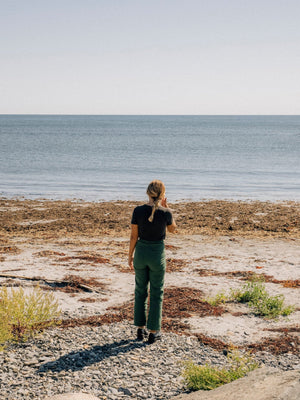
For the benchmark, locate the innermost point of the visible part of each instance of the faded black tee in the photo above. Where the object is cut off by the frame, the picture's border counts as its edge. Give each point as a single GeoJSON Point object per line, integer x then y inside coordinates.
{"type": "Point", "coordinates": [155, 230]}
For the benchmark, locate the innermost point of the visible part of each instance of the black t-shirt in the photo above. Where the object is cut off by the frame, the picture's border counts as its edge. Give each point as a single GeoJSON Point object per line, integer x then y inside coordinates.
{"type": "Point", "coordinates": [155, 230]}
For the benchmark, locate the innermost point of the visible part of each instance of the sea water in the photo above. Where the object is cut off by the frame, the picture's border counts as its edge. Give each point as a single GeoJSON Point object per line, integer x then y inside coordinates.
{"type": "Point", "coordinates": [115, 157]}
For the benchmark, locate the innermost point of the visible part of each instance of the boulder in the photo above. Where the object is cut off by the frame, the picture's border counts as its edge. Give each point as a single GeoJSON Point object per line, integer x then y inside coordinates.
{"type": "Point", "coordinates": [260, 384]}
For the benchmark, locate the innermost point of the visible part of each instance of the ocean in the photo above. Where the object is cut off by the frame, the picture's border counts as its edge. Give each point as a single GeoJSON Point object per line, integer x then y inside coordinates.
{"type": "Point", "coordinates": [101, 158]}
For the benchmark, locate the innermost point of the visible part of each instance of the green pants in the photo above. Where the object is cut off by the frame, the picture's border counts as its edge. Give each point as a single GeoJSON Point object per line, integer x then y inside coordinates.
{"type": "Point", "coordinates": [150, 266]}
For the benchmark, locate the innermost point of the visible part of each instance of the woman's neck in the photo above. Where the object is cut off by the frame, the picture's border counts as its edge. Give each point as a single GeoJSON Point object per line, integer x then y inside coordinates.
{"type": "Point", "coordinates": [151, 202]}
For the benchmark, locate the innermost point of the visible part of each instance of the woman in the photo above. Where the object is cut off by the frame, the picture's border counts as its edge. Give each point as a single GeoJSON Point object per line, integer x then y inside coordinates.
{"type": "Point", "coordinates": [148, 231]}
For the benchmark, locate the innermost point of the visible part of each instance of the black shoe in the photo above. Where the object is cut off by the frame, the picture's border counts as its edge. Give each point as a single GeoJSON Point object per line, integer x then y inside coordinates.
{"type": "Point", "coordinates": [141, 334]}
{"type": "Point", "coordinates": [153, 337]}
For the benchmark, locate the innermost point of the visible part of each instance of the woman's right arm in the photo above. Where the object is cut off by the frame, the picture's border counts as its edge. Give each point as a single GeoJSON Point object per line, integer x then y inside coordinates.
{"type": "Point", "coordinates": [171, 228]}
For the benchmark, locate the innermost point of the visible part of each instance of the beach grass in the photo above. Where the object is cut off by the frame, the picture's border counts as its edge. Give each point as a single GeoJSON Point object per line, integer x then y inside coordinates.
{"type": "Point", "coordinates": [22, 314]}
{"type": "Point", "coordinates": [207, 377]}
{"type": "Point", "coordinates": [255, 294]}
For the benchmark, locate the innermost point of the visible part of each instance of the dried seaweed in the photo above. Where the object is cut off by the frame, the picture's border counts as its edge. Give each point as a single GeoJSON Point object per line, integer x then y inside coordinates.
{"type": "Point", "coordinates": [249, 275]}
{"type": "Point", "coordinates": [178, 303]}
{"type": "Point", "coordinates": [279, 345]}
{"type": "Point", "coordinates": [9, 250]}
{"type": "Point", "coordinates": [211, 342]}
{"type": "Point", "coordinates": [208, 217]}
{"type": "Point", "coordinates": [175, 265]}
{"type": "Point", "coordinates": [90, 258]}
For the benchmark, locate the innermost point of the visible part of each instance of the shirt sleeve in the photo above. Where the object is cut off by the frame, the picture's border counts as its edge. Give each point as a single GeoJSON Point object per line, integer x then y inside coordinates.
{"type": "Point", "coordinates": [169, 218]}
{"type": "Point", "coordinates": [134, 218]}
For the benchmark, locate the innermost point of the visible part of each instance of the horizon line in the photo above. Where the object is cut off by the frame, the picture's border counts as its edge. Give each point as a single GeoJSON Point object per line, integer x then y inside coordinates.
{"type": "Point", "coordinates": [152, 115]}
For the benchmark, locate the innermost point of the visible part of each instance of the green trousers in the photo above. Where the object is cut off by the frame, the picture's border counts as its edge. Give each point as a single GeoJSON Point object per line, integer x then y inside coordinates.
{"type": "Point", "coordinates": [150, 266]}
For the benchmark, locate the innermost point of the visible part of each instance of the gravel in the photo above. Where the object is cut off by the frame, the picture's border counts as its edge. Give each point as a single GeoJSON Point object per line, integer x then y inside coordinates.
{"type": "Point", "coordinates": [107, 362]}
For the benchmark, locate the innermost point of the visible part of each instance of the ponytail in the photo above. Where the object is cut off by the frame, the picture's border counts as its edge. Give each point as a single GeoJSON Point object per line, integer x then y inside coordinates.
{"type": "Point", "coordinates": [156, 191]}
{"type": "Point", "coordinates": [154, 208]}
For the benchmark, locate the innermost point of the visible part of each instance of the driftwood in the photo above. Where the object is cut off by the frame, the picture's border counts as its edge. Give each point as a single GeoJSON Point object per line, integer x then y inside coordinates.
{"type": "Point", "coordinates": [51, 282]}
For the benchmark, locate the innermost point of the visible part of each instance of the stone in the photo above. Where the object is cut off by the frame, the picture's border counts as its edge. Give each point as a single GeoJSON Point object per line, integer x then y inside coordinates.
{"type": "Point", "coordinates": [260, 384]}
{"type": "Point", "coordinates": [72, 396]}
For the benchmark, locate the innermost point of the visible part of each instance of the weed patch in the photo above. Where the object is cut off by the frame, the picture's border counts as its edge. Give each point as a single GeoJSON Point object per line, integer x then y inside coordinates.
{"type": "Point", "coordinates": [207, 377]}
{"type": "Point", "coordinates": [21, 314]}
{"type": "Point", "coordinates": [255, 294]}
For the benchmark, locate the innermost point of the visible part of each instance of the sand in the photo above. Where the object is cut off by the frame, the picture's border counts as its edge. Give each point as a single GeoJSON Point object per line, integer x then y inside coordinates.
{"type": "Point", "coordinates": [78, 251]}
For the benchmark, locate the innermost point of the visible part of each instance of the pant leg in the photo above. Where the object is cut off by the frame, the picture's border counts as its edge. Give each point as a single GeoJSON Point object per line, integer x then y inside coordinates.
{"type": "Point", "coordinates": [157, 268]}
{"type": "Point", "coordinates": [141, 286]}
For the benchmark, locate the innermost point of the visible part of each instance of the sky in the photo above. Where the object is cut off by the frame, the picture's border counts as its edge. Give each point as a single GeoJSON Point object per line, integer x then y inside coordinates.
{"type": "Point", "coordinates": [141, 57]}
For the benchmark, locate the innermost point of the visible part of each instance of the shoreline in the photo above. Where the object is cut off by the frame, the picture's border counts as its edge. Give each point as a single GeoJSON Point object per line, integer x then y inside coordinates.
{"type": "Point", "coordinates": [212, 217]}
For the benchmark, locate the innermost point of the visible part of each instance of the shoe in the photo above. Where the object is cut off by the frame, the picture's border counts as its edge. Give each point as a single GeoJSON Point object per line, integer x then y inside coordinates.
{"type": "Point", "coordinates": [141, 334]}
{"type": "Point", "coordinates": [153, 337]}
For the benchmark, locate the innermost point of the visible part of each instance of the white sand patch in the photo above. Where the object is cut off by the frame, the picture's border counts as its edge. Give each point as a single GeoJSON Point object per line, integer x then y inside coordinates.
{"type": "Point", "coordinates": [276, 257]}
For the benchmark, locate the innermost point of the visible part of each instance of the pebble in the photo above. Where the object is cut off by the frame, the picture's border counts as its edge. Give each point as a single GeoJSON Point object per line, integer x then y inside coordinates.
{"type": "Point", "coordinates": [109, 363]}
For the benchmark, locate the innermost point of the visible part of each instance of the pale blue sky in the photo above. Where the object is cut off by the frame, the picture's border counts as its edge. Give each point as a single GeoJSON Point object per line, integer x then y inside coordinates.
{"type": "Point", "coordinates": [150, 57]}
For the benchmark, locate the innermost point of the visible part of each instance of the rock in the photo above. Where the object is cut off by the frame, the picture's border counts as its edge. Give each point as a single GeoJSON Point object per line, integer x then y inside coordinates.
{"type": "Point", "coordinates": [135, 370]}
{"type": "Point", "coordinates": [260, 384]}
{"type": "Point", "coordinates": [72, 396]}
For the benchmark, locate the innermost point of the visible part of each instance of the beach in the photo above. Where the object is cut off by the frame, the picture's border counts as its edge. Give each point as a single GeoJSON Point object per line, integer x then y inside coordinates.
{"type": "Point", "coordinates": [217, 246]}
{"type": "Point", "coordinates": [78, 251]}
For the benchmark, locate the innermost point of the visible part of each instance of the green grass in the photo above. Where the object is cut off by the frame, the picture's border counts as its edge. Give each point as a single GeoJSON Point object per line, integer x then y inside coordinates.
{"type": "Point", "coordinates": [207, 377]}
{"type": "Point", "coordinates": [255, 294]}
{"type": "Point", "coordinates": [23, 314]}
{"type": "Point", "coordinates": [220, 298]}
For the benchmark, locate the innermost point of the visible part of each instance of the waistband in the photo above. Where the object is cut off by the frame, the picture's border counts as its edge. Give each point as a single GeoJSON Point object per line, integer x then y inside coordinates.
{"type": "Point", "coordinates": [151, 241]}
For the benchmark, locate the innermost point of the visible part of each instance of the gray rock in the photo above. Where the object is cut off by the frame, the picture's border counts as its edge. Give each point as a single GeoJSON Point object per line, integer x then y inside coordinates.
{"type": "Point", "coordinates": [260, 384]}
{"type": "Point", "coordinates": [93, 360]}
{"type": "Point", "coordinates": [72, 396]}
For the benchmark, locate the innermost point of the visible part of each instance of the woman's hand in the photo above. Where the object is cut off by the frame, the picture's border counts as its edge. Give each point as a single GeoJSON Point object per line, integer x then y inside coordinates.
{"type": "Point", "coordinates": [164, 202]}
{"type": "Point", "coordinates": [130, 262]}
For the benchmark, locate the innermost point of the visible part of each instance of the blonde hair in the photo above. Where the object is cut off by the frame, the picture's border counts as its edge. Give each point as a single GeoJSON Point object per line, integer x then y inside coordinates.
{"type": "Point", "coordinates": [156, 190]}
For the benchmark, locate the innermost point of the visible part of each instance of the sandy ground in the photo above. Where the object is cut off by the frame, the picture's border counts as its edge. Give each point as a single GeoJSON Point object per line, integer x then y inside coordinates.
{"type": "Point", "coordinates": [78, 251]}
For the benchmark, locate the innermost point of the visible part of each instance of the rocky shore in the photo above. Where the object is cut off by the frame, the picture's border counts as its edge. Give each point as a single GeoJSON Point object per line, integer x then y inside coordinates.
{"type": "Point", "coordinates": [108, 362]}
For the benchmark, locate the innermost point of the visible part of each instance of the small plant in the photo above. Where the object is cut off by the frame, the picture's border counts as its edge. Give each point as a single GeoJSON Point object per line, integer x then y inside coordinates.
{"type": "Point", "coordinates": [255, 294]}
{"type": "Point", "coordinates": [21, 314]}
{"type": "Point", "coordinates": [207, 377]}
{"type": "Point", "coordinates": [220, 298]}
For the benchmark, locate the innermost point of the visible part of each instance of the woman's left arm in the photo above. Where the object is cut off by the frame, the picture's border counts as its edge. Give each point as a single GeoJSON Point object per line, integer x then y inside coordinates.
{"type": "Point", "coordinates": [133, 239]}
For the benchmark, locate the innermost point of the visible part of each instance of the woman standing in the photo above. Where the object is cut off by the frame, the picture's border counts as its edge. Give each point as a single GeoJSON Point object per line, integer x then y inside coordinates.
{"type": "Point", "coordinates": [148, 231]}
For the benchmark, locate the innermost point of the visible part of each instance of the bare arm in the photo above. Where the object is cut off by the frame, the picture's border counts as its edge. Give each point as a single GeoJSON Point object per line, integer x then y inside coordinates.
{"type": "Point", "coordinates": [171, 228]}
{"type": "Point", "coordinates": [133, 239]}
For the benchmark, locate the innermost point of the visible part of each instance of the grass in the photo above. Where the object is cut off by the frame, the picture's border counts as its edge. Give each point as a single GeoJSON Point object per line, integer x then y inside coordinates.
{"type": "Point", "coordinates": [207, 377]}
{"type": "Point", "coordinates": [220, 298]}
{"type": "Point", "coordinates": [22, 314]}
{"type": "Point", "coordinates": [255, 294]}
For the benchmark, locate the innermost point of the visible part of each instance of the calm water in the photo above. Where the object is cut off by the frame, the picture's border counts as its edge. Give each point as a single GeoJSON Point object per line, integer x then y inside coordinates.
{"type": "Point", "coordinates": [115, 157]}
